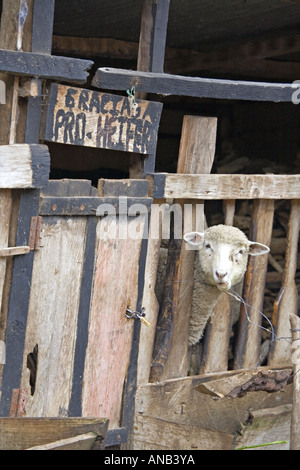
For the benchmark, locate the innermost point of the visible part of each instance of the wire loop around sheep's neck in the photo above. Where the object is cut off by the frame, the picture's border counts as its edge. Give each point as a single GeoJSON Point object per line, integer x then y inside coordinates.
{"type": "Point", "coordinates": [236, 296]}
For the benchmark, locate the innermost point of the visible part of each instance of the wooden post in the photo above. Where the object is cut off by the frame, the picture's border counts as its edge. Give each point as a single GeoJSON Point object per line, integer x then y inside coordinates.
{"type": "Point", "coordinates": [170, 355]}
{"type": "Point", "coordinates": [286, 302]}
{"type": "Point", "coordinates": [217, 335]}
{"type": "Point", "coordinates": [248, 342]}
{"type": "Point", "coordinates": [14, 33]}
{"type": "Point", "coordinates": [295, 422]}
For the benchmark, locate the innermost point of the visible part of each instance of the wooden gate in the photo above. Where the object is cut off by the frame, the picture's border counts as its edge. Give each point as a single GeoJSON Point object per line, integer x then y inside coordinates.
{"type": "Point", "coordinates": [71, 352]}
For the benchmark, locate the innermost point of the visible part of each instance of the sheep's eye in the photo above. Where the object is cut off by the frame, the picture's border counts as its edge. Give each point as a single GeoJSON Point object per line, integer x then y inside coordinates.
{"type": "Point", "coordinates": [208, 247]}
{"type": "Point", "coordinates": [241, 252]}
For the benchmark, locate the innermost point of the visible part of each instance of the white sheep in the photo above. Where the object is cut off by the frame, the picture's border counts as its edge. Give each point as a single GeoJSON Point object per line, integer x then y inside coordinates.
{"type": "Point", "coordinates": [220, 264]}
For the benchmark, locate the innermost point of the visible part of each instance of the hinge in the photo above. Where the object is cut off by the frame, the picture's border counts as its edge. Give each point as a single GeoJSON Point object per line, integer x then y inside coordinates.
{"type": "Point", "coordinates": [35, 232]}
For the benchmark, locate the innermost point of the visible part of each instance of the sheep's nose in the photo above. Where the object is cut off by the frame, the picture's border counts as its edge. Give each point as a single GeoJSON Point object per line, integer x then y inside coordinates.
{"type": "Point", "coordinates": [220, 275]}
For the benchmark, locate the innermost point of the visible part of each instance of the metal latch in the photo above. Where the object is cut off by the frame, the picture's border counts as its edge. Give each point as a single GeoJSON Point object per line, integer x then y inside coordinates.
{"type": "Point", "coordinates": [140, 315]}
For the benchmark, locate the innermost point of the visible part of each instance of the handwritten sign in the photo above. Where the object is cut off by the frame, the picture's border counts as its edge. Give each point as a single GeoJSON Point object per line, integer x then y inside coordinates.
{"type": "Point", "coordinates": [89, 118]}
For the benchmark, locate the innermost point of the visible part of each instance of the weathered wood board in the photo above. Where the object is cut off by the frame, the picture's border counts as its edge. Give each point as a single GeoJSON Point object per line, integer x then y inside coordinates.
{"type": "Point", "coordinates": [52, 315]}
{"type": "Point", "coordinates": [81, 442]}
{"type": "Point", "coordinates": [45, 66]}
{"type": "Point", "coordinates": [158, 434]}
{"type": "Point", "coordinates": [24, 166]}
{"type": "Point", "coordinates": [167, 84]}
{"type": "Point", "coordinates": [93, 119]}
{"type": "Point", "coordinates": [23, 433]}
{"type": "Point", "coordinates": [229, 186]}
{"type": "Point", "coordinates": [110, 332]}
{"type": "Point", "coordinates": [265, 426]}
{"type": "Point", "coordinates": [181, 402]}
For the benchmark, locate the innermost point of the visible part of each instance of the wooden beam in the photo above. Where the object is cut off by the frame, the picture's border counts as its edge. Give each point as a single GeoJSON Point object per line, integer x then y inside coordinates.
{"type": "Point", "coordinates": [44, 66]}
{"type": "Point", "coordinates": [24, 166]}
{"type": "Point", "coordinates": [153, 35]}
{"type": "Point", "coordinates": [167, 84]}
{"type": "Point", "coordinates": [74, 206]}
{"type": "Point", "coordinates": [229, 186]}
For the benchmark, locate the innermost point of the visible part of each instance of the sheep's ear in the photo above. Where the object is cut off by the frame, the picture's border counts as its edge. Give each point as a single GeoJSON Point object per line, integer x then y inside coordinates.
{"type": "Point", "coordinates": [194, 238]}
{"type": "Point", "coordinates": [256, 249]}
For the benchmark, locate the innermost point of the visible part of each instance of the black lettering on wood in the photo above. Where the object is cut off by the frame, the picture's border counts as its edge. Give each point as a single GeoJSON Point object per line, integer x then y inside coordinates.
{"type": "Point", "coordinates": [90, 118]}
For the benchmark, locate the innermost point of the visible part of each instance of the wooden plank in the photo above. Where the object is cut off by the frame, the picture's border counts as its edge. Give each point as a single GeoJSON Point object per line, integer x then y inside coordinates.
{"type": "Point", "coordinates": [44, 66]}
{"type": "Point", "coordinates": [9, 34]}
{"type": "Point", "coordinates": [170, 354]}
{"type": "Point", "coordinates": [127, 187]}
{"type": "Point", "coordinates": [83, 117]}
{"type": "Point", "coordinates": [248, 346]}
{"type": "Point", "coordinates": [110, 332]}
{"type": "Point", "coordinates": [194, 408]}
{"type": "Point", "coordinates": [295, 421]}
{"type": "Point", "coordinates": [52, 315]}
{"type": "Point", "coordinates": [265, 426]}
{"type": "Point", "coordinates": [24, 166]}
{"type": "Point", "coordinates": [229, 186]}
{"type": "Point", "coordinates": [152, 41]}
{"type": "Point", "coordinates": [14, 251]}
{"type": "Point", "coordinates": [158, 434]}
{"type": "Point", "coordinates": [149, 302]}
{"type": "Point", "coordinates": [167, 84]}
{"type": "Point", "coordinates": [19, 300]}
{"type": "Point", "coordinates": [217, 334]}
{"type": "Point", "coordinates": [20, 433]}
{"type": "Point", "coordinates": [287, 300]}
{"type": "Point", "coordinates": [89, 205]}
{"type": "Point", "coordinates": [81, 442]}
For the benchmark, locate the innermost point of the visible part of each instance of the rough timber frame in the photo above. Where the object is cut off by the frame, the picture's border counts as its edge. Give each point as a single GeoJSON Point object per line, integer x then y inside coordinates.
{"type": "Point", "coordinates": [148, 79]}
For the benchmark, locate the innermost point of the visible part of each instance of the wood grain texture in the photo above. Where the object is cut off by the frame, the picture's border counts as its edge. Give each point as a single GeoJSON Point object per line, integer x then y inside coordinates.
{"type": "Point", "coordinates": [287, 300]}
{"type": "Point", "coordinates": [167, 84]}
{"type": "Point", "coordinates": [249, 335]}
{"type": "Point", "coordinates": [295, 349]}
{"type": "Point", "coordinates": [170, 353]}
{"type": "Point", "coordinates": [110, 332]}
{"type": "Point", "coordinates": [83, 117]}
{"type": "Point", "coordinates": [232, 186]}
{"type": "Point", "coordinates": [158, 434]}
{"type": "Point", "coordinates": [52, 315]}
{"type": "Point", "coordinates": [178, 401]}
{"type": "Point", "coordinates": [81, 442]}
{"type": "Point", "coordinates": [23, 433]}
{"type": "Point", "coordinates": [24, 166]}
{"type": "Point", "coordinates": [45, 66]}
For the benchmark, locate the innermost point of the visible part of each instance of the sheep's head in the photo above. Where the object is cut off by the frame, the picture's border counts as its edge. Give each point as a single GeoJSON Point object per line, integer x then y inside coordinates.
{"type": "Point", "coordinates": [223, 254]}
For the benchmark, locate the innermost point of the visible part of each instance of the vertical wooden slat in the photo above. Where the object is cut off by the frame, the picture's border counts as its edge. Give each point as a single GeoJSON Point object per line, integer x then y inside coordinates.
{"type": "Point", "coordinates": [149, 302]}
{"type": "Point", "coordinates": [217, 335]}
{"type": "Point", "coordinates": [110, 332]}
{"type": "Point", "coordinates": [249, 335]}
{"type": "Point", "coordinates": [52, 315]}
{"type": "Point", "coordinates": [153, 35]}
{"type": "Point", "coordinates": [9, 33]}
{"type": "Point", "coordinates": [286, 302]}
{"type": "Point", "coordinates": [12, 22]}
{"type": "Point", "coordinates": [295, 349]}
{"type": "Point", "coordinates": [170, 355]}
